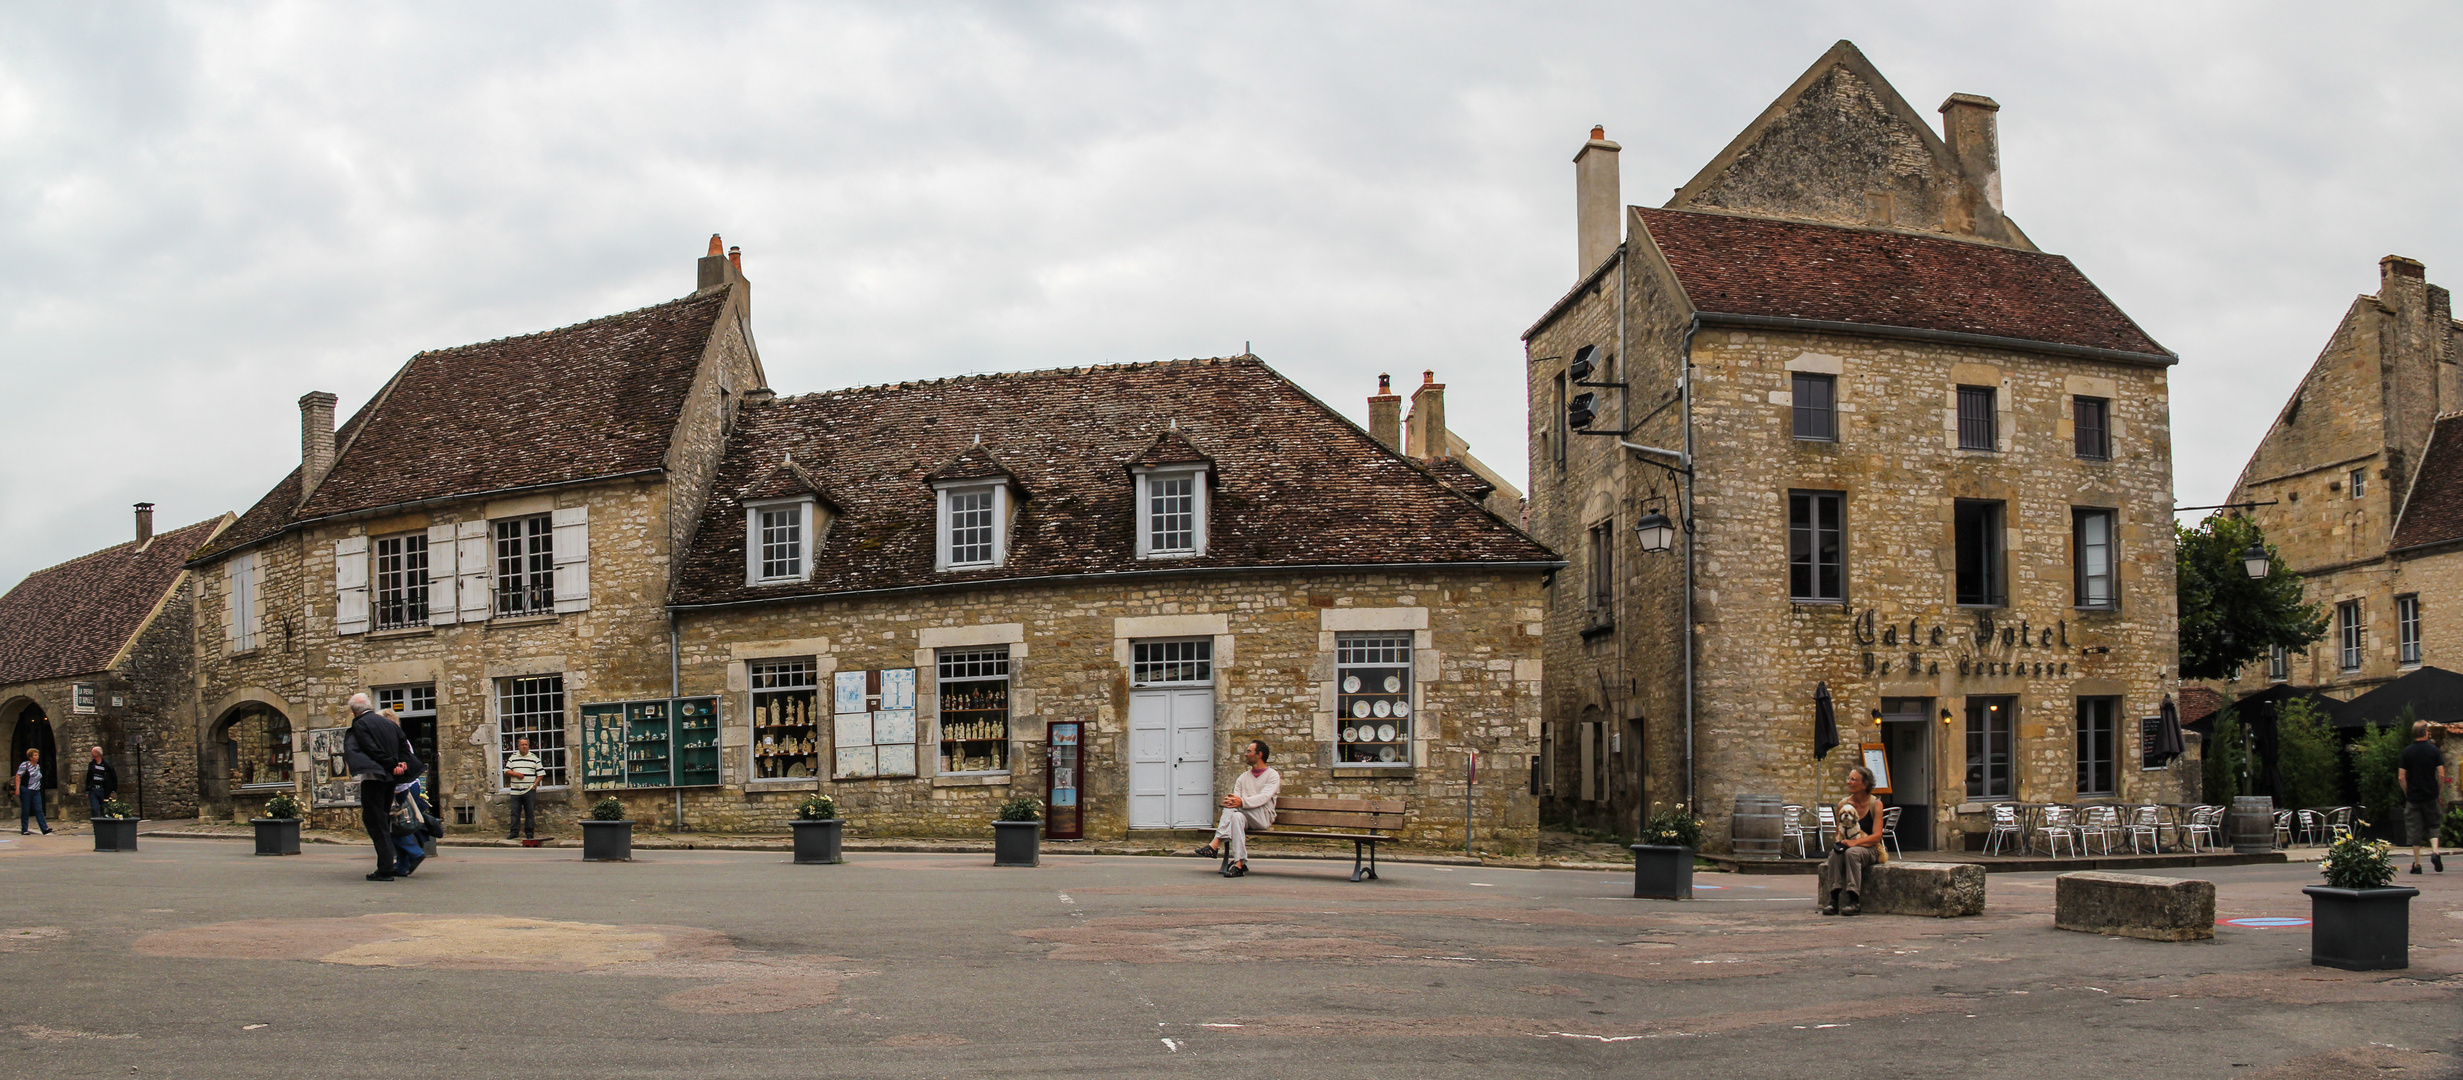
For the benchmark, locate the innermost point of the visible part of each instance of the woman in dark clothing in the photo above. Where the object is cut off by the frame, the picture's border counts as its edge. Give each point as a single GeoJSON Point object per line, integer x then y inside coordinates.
{"type": "Point", "coordinates": [1856, 847]}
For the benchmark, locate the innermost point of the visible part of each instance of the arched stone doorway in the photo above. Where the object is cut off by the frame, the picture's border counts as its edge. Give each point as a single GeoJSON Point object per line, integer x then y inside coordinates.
{"type": "Point", "coordinates": [30, 729]}
{"type": "Point", "coordinates": [249, 752]}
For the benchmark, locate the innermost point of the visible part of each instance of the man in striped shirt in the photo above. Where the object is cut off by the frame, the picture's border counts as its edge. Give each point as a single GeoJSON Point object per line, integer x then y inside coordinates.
{"type": "Point", "coordinates": [522, 780]}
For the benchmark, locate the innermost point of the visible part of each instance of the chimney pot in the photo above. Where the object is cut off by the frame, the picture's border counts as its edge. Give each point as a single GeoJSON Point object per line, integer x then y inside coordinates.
{"type": "Point", "coordinates": [1385, 383]}
{"type": "Point", "coordinates": [735, 258]}
{"type": "Point", "coordinates": [715, 249]}
{"type": "Point", "coordinates": [1973, 134]}
{"type": "Point", "coordinates": [145, 524]}
{"type": "Point", "coordinates": [316, 440]}
{"type": "Point", "coordinates": [1385, 414]}
{"type": "Point", "coordinates": [1598, 200]}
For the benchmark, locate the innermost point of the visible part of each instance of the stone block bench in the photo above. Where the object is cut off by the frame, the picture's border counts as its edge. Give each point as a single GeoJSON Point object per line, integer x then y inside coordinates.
{"type": "Point", "coordinates": [1941, 890]}
{"type": "Point", "coordinates": [2135, 905]}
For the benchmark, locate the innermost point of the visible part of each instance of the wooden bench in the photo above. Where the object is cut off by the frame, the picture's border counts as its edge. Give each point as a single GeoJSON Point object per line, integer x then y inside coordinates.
{"type": "Point", "coordinates": [1364, 822]}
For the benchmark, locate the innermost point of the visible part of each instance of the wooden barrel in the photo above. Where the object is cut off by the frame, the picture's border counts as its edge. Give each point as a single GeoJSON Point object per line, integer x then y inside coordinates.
{"type": "Point", "coordinates": [1755, 827]}
{"type": "Point", "coordinates": [2252, 825]}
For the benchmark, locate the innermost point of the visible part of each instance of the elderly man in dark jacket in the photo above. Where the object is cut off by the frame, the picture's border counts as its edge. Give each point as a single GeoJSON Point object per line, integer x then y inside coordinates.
{"type": "Point", "coordinates": [101, 782]}
{"type": "Point", "coordinates": [380, 755]}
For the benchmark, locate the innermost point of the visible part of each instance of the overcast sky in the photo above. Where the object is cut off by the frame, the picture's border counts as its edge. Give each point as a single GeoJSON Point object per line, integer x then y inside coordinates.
{"type": "Point", "coordinates": [207, 210]}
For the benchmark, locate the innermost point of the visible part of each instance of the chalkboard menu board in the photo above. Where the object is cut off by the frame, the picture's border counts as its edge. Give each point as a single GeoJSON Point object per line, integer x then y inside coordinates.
{"type": "Point", "coordinates": [2150, 732]}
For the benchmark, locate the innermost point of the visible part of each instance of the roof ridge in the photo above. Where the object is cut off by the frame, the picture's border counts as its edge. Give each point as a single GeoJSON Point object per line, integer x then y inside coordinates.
{"type": "Point", "coordinates": [1878, 230]}
{"type": "Point", "coordinates": [1250, 359]}
{"type": "Point", "coordinates": [100, 552]}
{"type": "Point", "coordinates": [569, 326]}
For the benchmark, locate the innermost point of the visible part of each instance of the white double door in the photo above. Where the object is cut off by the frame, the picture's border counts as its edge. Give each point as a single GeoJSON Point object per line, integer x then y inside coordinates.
{"type": "Point", "coordinates": [1171, 758]}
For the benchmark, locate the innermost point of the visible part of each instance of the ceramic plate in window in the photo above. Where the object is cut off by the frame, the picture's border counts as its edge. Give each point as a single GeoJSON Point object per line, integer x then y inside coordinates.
{"type": "Point", "coordinates": [1351, 684]}
{"type": "Point", "coordinates": [1402, 708]}
{"type": "Point", "coordinates": [1384, 707]}
{"type": "Point", "coordinates": [1385, 733]}
{"type": "Point", "coordinates": [1359, 709]}
{"type": "Point", "coordinates": [1351, 734]}
{"type": "Point", "coordinates": [1393, 684]}
{"type": "Point", "coordinates": [1387, 754]}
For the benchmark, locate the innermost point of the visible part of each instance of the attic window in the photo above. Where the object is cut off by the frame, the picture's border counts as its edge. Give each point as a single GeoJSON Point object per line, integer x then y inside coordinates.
{"type": "Point", "coordinates": [973, 526]}
{"type": "Point", "coordinates": [1171, 513]}
{"type": "Point", "coordinates": [778, 541]}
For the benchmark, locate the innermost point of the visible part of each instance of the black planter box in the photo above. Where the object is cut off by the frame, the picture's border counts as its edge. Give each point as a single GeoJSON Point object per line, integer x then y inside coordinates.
{"type": "Point", "coordinates": [1016, 843]}
{"type": "Point", "coordinates": [1661, 872]}
{"type": "Point", "coordinates": [817, 840]}
{"type": "Point", "coordinates": [115, 834]}
{"type": "Point", "coordinates": [2361, 929]}
{"type": "Point", "coordinates": [276, 835]}
{"type": "Point", "coordinates": [607, 841]}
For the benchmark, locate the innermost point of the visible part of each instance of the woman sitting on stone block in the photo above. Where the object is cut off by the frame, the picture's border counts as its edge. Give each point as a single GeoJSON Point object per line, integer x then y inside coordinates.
{"type": "Point", "coordinates": [1856, 847]}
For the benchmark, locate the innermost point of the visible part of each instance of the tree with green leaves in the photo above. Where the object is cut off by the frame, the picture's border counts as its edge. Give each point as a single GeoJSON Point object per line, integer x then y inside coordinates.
{"type": "Point", "coordinates": [2230, 620]}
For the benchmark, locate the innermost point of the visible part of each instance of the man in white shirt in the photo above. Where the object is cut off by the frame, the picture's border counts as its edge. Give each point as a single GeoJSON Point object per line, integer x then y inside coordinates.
{"type": "Point", "coordinates": [522, 781]}
{"type": "Point", "coordinates": [1249, 806]}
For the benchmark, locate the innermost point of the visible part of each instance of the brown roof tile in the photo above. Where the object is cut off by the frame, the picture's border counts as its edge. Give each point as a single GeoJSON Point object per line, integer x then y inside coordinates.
{"type": "Point", "coordinates": [2198, 703]}
{"type": "Point", "coordinates": [74, 618]}
{"type": "Point", "coordinates": [2433, 514]}
{"type": "Point", "coordinates": [594, 399]}
{"type": "Point", "coordinates": [1792, 269]}
{"type": "Point", "coordinates": [1171, 448]}
{"type": "Point", "coordinates": [1461, 478]}
{"type": "Point", "coordinates": [1297, 485]}
{"type": "Point", "coordinates": [976, 462]}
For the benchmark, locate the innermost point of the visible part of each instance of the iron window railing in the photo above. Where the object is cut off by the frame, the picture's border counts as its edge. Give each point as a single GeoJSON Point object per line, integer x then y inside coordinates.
{"type": "Point", "coordinates": [2091, 428]}
{"type": "Point", "coordinates": [401, 580]}
{"type": "Point", "coordinates": [526, 566]}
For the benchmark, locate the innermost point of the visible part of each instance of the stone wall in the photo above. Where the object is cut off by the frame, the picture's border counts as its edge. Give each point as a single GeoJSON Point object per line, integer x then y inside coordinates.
{"type": "Point", "coordinates": [149, 693]}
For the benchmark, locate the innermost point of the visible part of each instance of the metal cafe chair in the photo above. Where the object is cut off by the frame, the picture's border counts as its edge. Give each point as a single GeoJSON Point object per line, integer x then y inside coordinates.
{"type": "Point", "coordinates": [2201, 828]}
{"type": "Point", "coordinates": [2060, 823]}
{"type": "Point", "coordinates": [2339, 823]}
{"type": "Point", "coordinates": [2005, 824]}
{"type": "Point", "coordinates": [2283, 828]}
{"type": "Point", "coordinates": [2146, 821]}
{"type": "Point", "coordinates": [1791, 827]}
{"type": "Point", "coordinates": [1825, 825]}
{"type": "Point", "coordinates": [2310, 825]}
{"type": "Point", "coordinates": [1890, 831]}
{"type": "Point", "coordinates": [2098, 823]}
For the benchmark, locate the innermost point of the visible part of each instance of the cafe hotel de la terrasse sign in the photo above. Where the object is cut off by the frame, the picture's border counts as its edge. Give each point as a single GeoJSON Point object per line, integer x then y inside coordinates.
{"type": "Point", "coordinates": [1990, 648]}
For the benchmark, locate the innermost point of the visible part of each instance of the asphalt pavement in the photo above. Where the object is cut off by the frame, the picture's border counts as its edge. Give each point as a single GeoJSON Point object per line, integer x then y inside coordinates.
{"type": "Point", "coordinates": [193, 958]}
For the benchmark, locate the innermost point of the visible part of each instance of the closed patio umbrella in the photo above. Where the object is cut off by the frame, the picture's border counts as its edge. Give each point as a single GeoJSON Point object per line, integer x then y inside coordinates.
{"type": "Point", "coordinates": [2168, 734]}
{"type": "Point", "coordinates": [1825, 739]}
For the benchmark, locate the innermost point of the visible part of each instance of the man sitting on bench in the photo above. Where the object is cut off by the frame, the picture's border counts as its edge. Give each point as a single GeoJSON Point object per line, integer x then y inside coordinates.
{"type": "Point", "coordinates": [1249, 806]}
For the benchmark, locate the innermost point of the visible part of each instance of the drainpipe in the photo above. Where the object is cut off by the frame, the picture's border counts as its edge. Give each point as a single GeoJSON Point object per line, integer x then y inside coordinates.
{"type": "Point", "coordinates": [1684, 386]}
{"type": "Point", "coordinates": [1624, 422]}
{"type": "Point", "coordinates": [675, 689]}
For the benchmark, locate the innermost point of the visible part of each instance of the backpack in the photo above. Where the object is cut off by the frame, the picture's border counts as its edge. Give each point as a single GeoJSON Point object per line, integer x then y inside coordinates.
{"type": "Point", "coordinates": [409, 818]}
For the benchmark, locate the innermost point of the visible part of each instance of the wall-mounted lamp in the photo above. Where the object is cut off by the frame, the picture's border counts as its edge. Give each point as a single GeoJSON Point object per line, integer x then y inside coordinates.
{"type": "Point", "coordinates": [1945, 716]}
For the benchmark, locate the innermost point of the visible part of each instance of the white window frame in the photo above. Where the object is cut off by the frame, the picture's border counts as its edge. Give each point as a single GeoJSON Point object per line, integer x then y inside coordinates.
{"type": "Point", "coordinates": [808, 512]}
{"type": "Point", "coordinates": [564, 755]}
{"type": "Point", "coordinates": [1407, 643]}
{"type": "Point", "coordinates": [2086, 572]}
{"type": "Point", "coordinates": [2407, 630]}
{"type": "Point", "coordinates": [2358, 481]}
{"type": "Point", "coordinates": [2351, 635]}
{"type": "Point", "coordinates": [1145, 512]}
{"type": "Point", "coordinates": [404, 595]}
{"type": "Point", "coordinates": [941, 526]}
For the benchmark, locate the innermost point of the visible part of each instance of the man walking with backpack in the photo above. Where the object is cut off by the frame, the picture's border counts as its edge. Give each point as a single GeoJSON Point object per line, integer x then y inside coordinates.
{"type": "Point", "coordinates": [380, 756]}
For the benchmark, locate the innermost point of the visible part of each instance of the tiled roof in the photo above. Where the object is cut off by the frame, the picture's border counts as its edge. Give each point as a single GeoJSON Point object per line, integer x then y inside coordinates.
{"type": "Point", "coordinates": [1800, 270]}
{"type": "Point", "coordinates": [2198, 703]}
{"type": "Point", "coordinates": [1461, 478]}
{"type": "Point", "coordinates": [2434, 512]}
{"type": "Point", "coordinates": [74, 618]}
{"type": "Point", "coordinates": [599, 398]}
{"type": "Point", "coordinates": [1297, 485]}
{"type": "Point", "coordinates": [976, 462]}
{"type": "Point", "coordinates": [1171, 448]}
{"type": "Point", "coordinates": [789, 480]}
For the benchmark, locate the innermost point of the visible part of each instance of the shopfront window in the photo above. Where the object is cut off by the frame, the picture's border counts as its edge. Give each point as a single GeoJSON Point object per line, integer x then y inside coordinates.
{"type": "Point", "coordinates": [973, 689]}
{"type": "Point", "coordinates": [2098, 734]}
{"type": "Point", "coordinates": [1375, 704]}
{"type": "Point", "coordinates": [786, 730]}
{"type": "Point", "coordinates": [259, 744]}
{"type": "Point", "coordinates": [532, 707]}
{"type": "Point", "coordinates": [1989, 727]}
{"type": "Point", "coordinates": [416, 706]}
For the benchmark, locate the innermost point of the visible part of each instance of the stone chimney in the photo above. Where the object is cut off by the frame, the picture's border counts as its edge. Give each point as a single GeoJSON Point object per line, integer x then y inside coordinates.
{"type": "Point", "coordinates": [316, 440]}
{"type": "Point", "coordinates": [1385, 414]}
{"type": "Point", "coordinates": [1424, 431]}
{"type": "Point", "coordinates": [717, 268]}
{"type": "Point", "coordinates": [1974, 136]}
{"type": "Point", "coordinates": [145, 524]}
{"type": "Point", "coordinates": [1598, 202]}
{"type": "Point", "coordinates": [2397, 275]}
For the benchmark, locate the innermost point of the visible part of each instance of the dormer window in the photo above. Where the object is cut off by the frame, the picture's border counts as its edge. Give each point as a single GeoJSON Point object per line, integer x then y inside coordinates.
{"type": "Point", "coordinates": [778, 538]}
{"type": "Point", "coordinates": [973, 526]}
{"type": "Point", "coordinates": [1171, 513]}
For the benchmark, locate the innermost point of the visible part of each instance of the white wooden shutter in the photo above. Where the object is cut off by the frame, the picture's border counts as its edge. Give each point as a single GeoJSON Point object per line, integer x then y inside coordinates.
{"type": "Point", "coordinates": [239, 622]}
{"type": "Point", "coordinates": [351, 585]}
{"type": "Point", "coordinates": [572, 541]}
{"type": "Point", "coordinates": [473, 560]}
{"type": "Point", "coordinates": [442, 611]}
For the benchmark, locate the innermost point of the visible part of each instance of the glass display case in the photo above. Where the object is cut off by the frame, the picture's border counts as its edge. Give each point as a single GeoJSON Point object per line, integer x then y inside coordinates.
{"type": "Point", "coordinates": [974, 710]}
{"type": "Point", "coordinates": [1373, 704]}
{"type": "Point", "coordinates": [668, 742]}
{"type": "Point", "coordinates": [786, 740]}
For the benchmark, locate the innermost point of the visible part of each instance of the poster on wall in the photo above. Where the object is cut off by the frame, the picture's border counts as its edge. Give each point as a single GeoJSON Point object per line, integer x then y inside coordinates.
{"type": "Point", "coordinates": [1878, 760]}
{"type": "Point", "coordinates": [330, 779]}
{"type": "Point", "coordinates": [873, 729]}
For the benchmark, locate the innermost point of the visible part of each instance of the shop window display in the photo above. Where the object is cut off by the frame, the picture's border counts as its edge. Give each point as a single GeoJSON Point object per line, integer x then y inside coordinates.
{"type": "Point", "coordinates": [786, 723]}
{"type": "Point", "coordinates": [1375, 700]}
{"type": "Point", "coordinates": [974, 710]}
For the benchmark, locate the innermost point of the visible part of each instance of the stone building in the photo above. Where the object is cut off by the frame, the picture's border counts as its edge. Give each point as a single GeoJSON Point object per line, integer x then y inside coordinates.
{"type": "Point", "coordinates": [94, 652]}
{"type": "Point", "coordinates": [1422, 434]}
{"type": "Point", "coordinates": [487, 542]}
{"type": "Point", "coordinates": [2361, 475]}
{"type": "Point", "coordinates": [616, 540]}
{"type": "Point", "coordinates": [1906, 456]}
{"type": "Point", "coordinates": [1091, 586]}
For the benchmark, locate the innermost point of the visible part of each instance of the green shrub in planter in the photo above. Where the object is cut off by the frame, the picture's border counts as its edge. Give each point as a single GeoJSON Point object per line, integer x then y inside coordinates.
{"type": "Point", "coordinates": [278, 831]}
{"type": "Point", "coordinates": [1663, 861]}
{"type": "Point", "coordinates": [2450, 833]}
{"type": "Point", "coordinates": [1022, 808]}
{"type": "Point", "coordinates": [282, 806]}
{"type": "Point", "coordinates": [610, 808]}
{"type": "Point", "coordinates": [606, 835]}
{"type": "Point", "coordinates": [1672, 827]}
{"type": "Point", "coordinates": [2359, 920]}
{"type": "Point", "coordinates": [116, 830]}
{"type": "Point", "coordinates": [2354, 863]}
{"type": "Point", "coordinates": [817, 808]}
{"type": "Point", "coordinates": [1017, 837]}
{"type": "Point", "coordinates": [818, 832]}
{"type": "Point", "coordinates": [116, 806]}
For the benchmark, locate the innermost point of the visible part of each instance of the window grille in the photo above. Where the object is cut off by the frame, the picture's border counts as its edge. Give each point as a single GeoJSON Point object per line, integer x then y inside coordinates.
{"type": "Point", "coordinates": [973, 692]}
{"type": "Point", "coordinates": [1816, 406]}
{"type": "Point", "coordinates": [1978, 427]}
{"type": "Point", "coordinates": [2348, 615]}
{"type": "Point", "coordinates": [782, 542]}
{"type": "Point", "coordinates": [1817, 548]}
{"type": "Point", "coordinates": [532, 707]}
{"type": "Point", "coordinates": [2407, 629]}
{"type": "Point", "coordinates": [401, 580]}
{"type": "Point", "coordinates": [1166, 663]}
{"type": "Point", "coordinates": [2091, 428]}
{"type": "Point", "coordinates": [786, 718]}
{"type": "Point", "coordinates": [2091, 540]}
{"type": "Point", "coordinates": [2098, 736]}
{"type": "Point", "coordinates": [970, 527]}
{"type": "Point", "coordinates": [1171, 509]}
{"type": "Point", "coordinates": [526, 566]}
{"type": "Point", "coordinates": [1376, 700]}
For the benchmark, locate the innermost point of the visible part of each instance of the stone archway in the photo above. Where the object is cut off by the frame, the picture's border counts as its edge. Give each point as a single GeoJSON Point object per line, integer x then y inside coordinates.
{"type": "Point", "coordinates": [249, 749]}
{"type": "Point", "coordinates": [30, 728]}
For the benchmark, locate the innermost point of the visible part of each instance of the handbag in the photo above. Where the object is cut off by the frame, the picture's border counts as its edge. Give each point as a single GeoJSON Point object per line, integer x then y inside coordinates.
{"type": "Point", "coordinates": [408, 818]}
